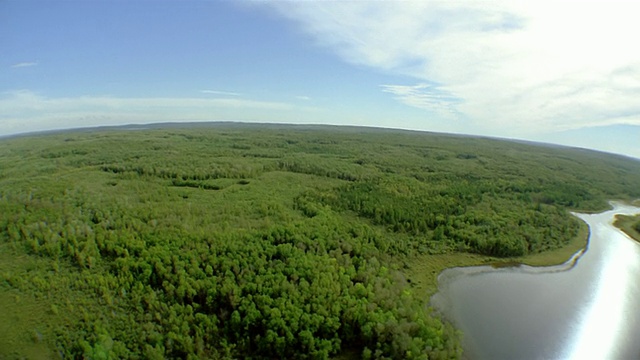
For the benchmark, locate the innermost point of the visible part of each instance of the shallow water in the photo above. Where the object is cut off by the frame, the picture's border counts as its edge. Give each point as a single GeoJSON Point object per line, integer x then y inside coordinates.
{"type": "Point", "coordinates": [587, 308]}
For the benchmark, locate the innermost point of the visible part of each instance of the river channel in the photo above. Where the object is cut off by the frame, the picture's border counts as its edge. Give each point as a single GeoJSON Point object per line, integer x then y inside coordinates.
{"type": "Point", "coordinates": [587, 308]}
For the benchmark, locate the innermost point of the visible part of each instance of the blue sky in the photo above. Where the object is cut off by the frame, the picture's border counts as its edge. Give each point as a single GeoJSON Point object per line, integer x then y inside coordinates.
{"type": "Point", "coordinates": [558, 71]}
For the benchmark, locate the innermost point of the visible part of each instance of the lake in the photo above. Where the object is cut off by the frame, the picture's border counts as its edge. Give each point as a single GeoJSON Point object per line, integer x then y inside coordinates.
{"type": "Point", "coordinates": [585, 308]}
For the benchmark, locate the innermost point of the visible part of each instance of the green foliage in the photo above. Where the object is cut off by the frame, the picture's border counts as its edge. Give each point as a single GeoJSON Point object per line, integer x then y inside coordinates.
{"type": "Point", "coordinates": [234, 241]}
{"type": "Point", "coordinates": [629, 224]}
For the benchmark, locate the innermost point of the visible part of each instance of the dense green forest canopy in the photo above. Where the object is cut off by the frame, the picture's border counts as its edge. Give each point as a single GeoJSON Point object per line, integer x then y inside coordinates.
{"type": "Point", "coordinates": [229, 240]}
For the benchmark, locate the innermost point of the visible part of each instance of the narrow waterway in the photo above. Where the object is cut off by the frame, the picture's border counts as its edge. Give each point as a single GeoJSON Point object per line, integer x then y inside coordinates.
{"type": "Point", "coordinates": [586, 308]}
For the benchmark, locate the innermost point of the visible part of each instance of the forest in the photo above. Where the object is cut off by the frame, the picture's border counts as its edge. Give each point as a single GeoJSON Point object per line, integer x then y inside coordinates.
{"type": "Point", "coordinates": [224, 240]}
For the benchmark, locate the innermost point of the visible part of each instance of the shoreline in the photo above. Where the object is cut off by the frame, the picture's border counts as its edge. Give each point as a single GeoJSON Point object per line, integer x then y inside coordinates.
{"type": "Point", "coordinates": [424, 270]}
{"type": "Point", "coordinates": [597, 308]}
{"type": "Point", "coordinates": [626, 224]}
{"type": "Point", "coordinates": [575, 249]}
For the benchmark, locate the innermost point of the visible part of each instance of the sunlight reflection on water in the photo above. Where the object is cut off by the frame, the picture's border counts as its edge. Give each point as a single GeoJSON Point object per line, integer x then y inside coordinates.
{"type": "Point", "coordinates": [602, 328]}
{"type": "Point", "coordinates": [586, 311]}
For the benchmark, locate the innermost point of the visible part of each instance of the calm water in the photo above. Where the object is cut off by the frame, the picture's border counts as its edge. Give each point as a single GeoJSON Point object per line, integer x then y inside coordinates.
{"type": "Point", "coordinates": [587, 308]}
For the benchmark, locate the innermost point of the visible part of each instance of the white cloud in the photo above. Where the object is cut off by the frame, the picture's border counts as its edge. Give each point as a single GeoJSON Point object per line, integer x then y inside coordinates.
{"type": "Point", "coordinates": [24, 64]}
{"type": "Point", "coordinates": [24, 111]}
{"type": "Point", "coordinates": [514, 67]}
{"type": "Point", "coordinates": [217, 92]}
{"type": "Point", "coordinates": [25, 100]}
{"type": "Point", "coordinates": [425, 96]}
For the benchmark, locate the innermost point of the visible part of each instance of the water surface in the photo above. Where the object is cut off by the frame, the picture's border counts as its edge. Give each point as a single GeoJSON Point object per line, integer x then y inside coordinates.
{"type": "Point", "coordinates": [587, 308]}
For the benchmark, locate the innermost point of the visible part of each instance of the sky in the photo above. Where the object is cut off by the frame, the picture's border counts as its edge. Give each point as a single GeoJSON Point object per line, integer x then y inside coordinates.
{"type": "Point", "coordinates": [561, 71]}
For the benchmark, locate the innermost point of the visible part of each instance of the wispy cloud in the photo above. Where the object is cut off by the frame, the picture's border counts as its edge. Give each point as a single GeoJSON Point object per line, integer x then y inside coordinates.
{"type": "Point", "coordinates": [217, 92]}
{"type": "Point", "coordinates": [513, 67]}
{"type": "Point", "coordinates": [425, 96]}
{"type": "Point", "coordinates": [23, 111]}
{"type": "Point", "coordinates": [25, 100]}
{"type": "Point", "coordinates": [303, 97]}
{"type": "Point", "coordinates": [24, 64]}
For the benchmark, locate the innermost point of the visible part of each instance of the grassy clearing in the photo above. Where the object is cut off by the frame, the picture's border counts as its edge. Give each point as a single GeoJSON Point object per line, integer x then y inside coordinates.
{"type": "Point", "coordinates": [629, 224]}
{"type": "Point", "coordinates": [27, 321]}
{"type": "Point", "coordinates": [24, 327]}
{"type": "Point", "coordinates": [423, 270]}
